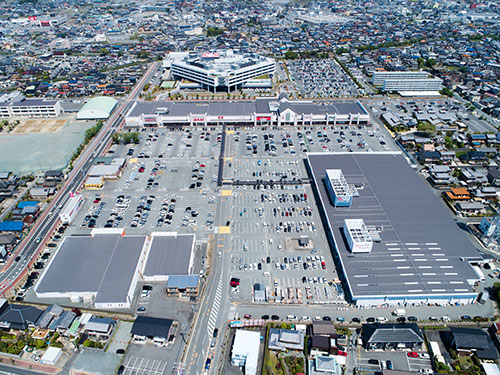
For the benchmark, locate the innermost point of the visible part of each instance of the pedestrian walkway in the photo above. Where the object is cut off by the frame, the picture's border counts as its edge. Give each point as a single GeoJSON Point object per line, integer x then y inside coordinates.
{"type": "Point", "coordinates": [29, 365]}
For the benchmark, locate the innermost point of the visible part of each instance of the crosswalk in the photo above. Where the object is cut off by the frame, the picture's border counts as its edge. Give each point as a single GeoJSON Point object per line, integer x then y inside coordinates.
{"type": "Point", "coordinates": [214, 312]}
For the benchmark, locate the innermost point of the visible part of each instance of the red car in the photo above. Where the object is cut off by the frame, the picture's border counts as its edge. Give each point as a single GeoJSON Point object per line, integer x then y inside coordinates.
{"type": "Point", "coordinates": [413, 354]}
{"type": "Point", "coordinates": [323, 265]}
{"type": "Point", "coordinates": [342, 353]}
{"type": "Point", "coordinates": [248, 316]}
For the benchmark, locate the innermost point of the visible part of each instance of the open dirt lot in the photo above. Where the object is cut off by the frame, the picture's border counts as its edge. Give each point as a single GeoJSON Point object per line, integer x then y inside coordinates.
{"type": "Point", "coordinates": [40, 125]}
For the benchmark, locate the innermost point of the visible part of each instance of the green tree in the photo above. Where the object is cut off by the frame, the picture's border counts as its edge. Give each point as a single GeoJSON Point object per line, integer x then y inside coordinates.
{"type": "Point", "coordinates": [103, 51]}
{"type": "Point", "coordinates": [134, 137]}
{"type": "Point", "coordinates": [446, 91]}
{"type": "Point", "coordinates": [290, 55]}
{"type": "Point", "coordinates": [40, 344]}
{"type": "Point", "coordinates": [116, 138]}
{"type": "Point", "coordinates": [214, 31]}
{"type": "Point", "coordinates": [430, 63]}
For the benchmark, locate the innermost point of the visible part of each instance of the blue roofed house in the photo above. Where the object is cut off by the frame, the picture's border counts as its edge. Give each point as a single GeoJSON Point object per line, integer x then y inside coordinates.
{"type": "Point", "coordinates": [474, 157]}
{"type": "Point", "coordinates": [11, 226]}
{"type": "Point", "coordinates": [183, 285]}
{"type": "Point", "coordinates": [477, 140]}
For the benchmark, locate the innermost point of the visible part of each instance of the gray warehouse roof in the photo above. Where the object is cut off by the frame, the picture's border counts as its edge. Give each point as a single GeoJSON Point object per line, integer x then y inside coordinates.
{"type": "Point", "coordinates": [420, 246]}
{"type": "Point", "coordinates": [169, 255]}
{"type": "Point", "coordinates": [104, 263]}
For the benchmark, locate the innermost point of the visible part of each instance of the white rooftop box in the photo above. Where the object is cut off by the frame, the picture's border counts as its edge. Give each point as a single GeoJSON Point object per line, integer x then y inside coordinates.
{"type": "Point", "coordinates": [358, 238]}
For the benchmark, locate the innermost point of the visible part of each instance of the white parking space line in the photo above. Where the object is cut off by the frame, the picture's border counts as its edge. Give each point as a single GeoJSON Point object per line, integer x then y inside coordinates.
{"type": "Point", "coordinates": [146, 366]}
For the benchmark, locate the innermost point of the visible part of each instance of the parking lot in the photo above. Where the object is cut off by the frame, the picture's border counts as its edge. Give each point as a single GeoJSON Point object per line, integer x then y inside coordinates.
{"type": "Point", "coordinates": [402, 361]}
{"type": "Point", "coordinates": [158, 189]}
{"type": "Point", "coordinates": [321, 78]}
{"type": "Point", "coordinates": [412, 111]}
{"type": "Point", "coordinates": [269, 218]}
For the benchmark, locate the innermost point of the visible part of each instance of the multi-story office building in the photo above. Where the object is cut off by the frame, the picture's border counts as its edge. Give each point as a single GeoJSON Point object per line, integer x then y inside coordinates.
{"type": "Point", "coordinates": [220, 71]}
{"type": "Point", "coordinates": [379, 77]}
{"type": "Point", "coordinates": [428, 84]}
{"type": "Point", "coordinates": [406, 81]}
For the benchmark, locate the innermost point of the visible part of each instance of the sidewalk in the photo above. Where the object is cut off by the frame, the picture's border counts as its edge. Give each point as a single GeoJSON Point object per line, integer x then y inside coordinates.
{"type": "Point", "coordinates": [28, 365]}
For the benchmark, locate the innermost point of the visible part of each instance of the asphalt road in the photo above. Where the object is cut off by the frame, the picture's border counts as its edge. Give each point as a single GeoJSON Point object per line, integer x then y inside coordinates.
{"type": "Point", "coordinates": [33, 243]}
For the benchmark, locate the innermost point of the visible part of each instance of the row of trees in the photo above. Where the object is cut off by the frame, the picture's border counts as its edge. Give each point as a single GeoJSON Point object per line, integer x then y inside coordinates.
{"type": "Point", "coordinates": [89, 134]}
{"type": "Point", "coordinates": [392, 43]}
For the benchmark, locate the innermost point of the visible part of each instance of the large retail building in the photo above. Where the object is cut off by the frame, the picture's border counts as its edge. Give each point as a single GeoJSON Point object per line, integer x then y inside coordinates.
{"type": "Point", "coordinates": [392, 239]}
{"type": "Point", "coordinates": [277, 111]}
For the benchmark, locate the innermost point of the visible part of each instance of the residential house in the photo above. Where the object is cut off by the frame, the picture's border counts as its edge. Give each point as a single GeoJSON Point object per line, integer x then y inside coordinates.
{"type": "Point", "coordinates": [486, 192]}
{"type": "Point", "coordinates": [477, 140]}
{"type": "Point", "coordinates": [473, 176]}
{"type": "Point", "coordinates": [470, 207]}
{"type": "Point", "coordinates": [426, 157]}
{"type": "Point", "coordinates": [8, 184]}
{"type": "Point", "coordinates": [440, 174]}
{"type": "Point", "coordinates": [285, 339]}
{"type": "Point", "coordinates": [183, 285]}
{"type": "Point", "coordinates": [41, 192]}
{"type": "Point", "coordinates": [494, 176]}
{"type": "Point", "coordinates": [54, 176]}
{"type": "Point", "coordinates": [324, 365]}
{"type": "Point", "coordinates": [474, 157]}
{"type": "Point", "coordinates": [17, 317]}
{"type": "Point", "coordinates": [100, 329]}
{"type": "Point", "coordinates": [323, 345]}
{"type": "Point", "coordinates": [145, 328]}
{"type": "Point", "coordinates": [8, 241]}
{"type": "Point", "coordinates": [457, 194]}
{"type": "Point", "coordinates": [64, 322]}
{"type": "Point", "coordinates": [11, 226]}
{"type": "Point", "coordinates": [389, 336]}
{"type": "Point", "coordinates": [468, 341]}
{"type": "Point", "coordinates": [447, 156]}
{"type": "Point", "coordinates": [50, 314]}
{"type": "Point", "coordinates": [324, 328]}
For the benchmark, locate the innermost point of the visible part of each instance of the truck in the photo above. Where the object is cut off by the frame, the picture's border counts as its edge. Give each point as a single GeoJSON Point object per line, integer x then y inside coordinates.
{"type": "Point", "coordinates": [399, 312]}
{"type": "Point", "coordinates": [71, 208]}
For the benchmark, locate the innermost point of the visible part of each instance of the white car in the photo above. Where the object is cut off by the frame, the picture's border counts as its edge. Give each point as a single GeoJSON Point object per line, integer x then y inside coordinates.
{"type": "Point", "coordinates": [305, 319]}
